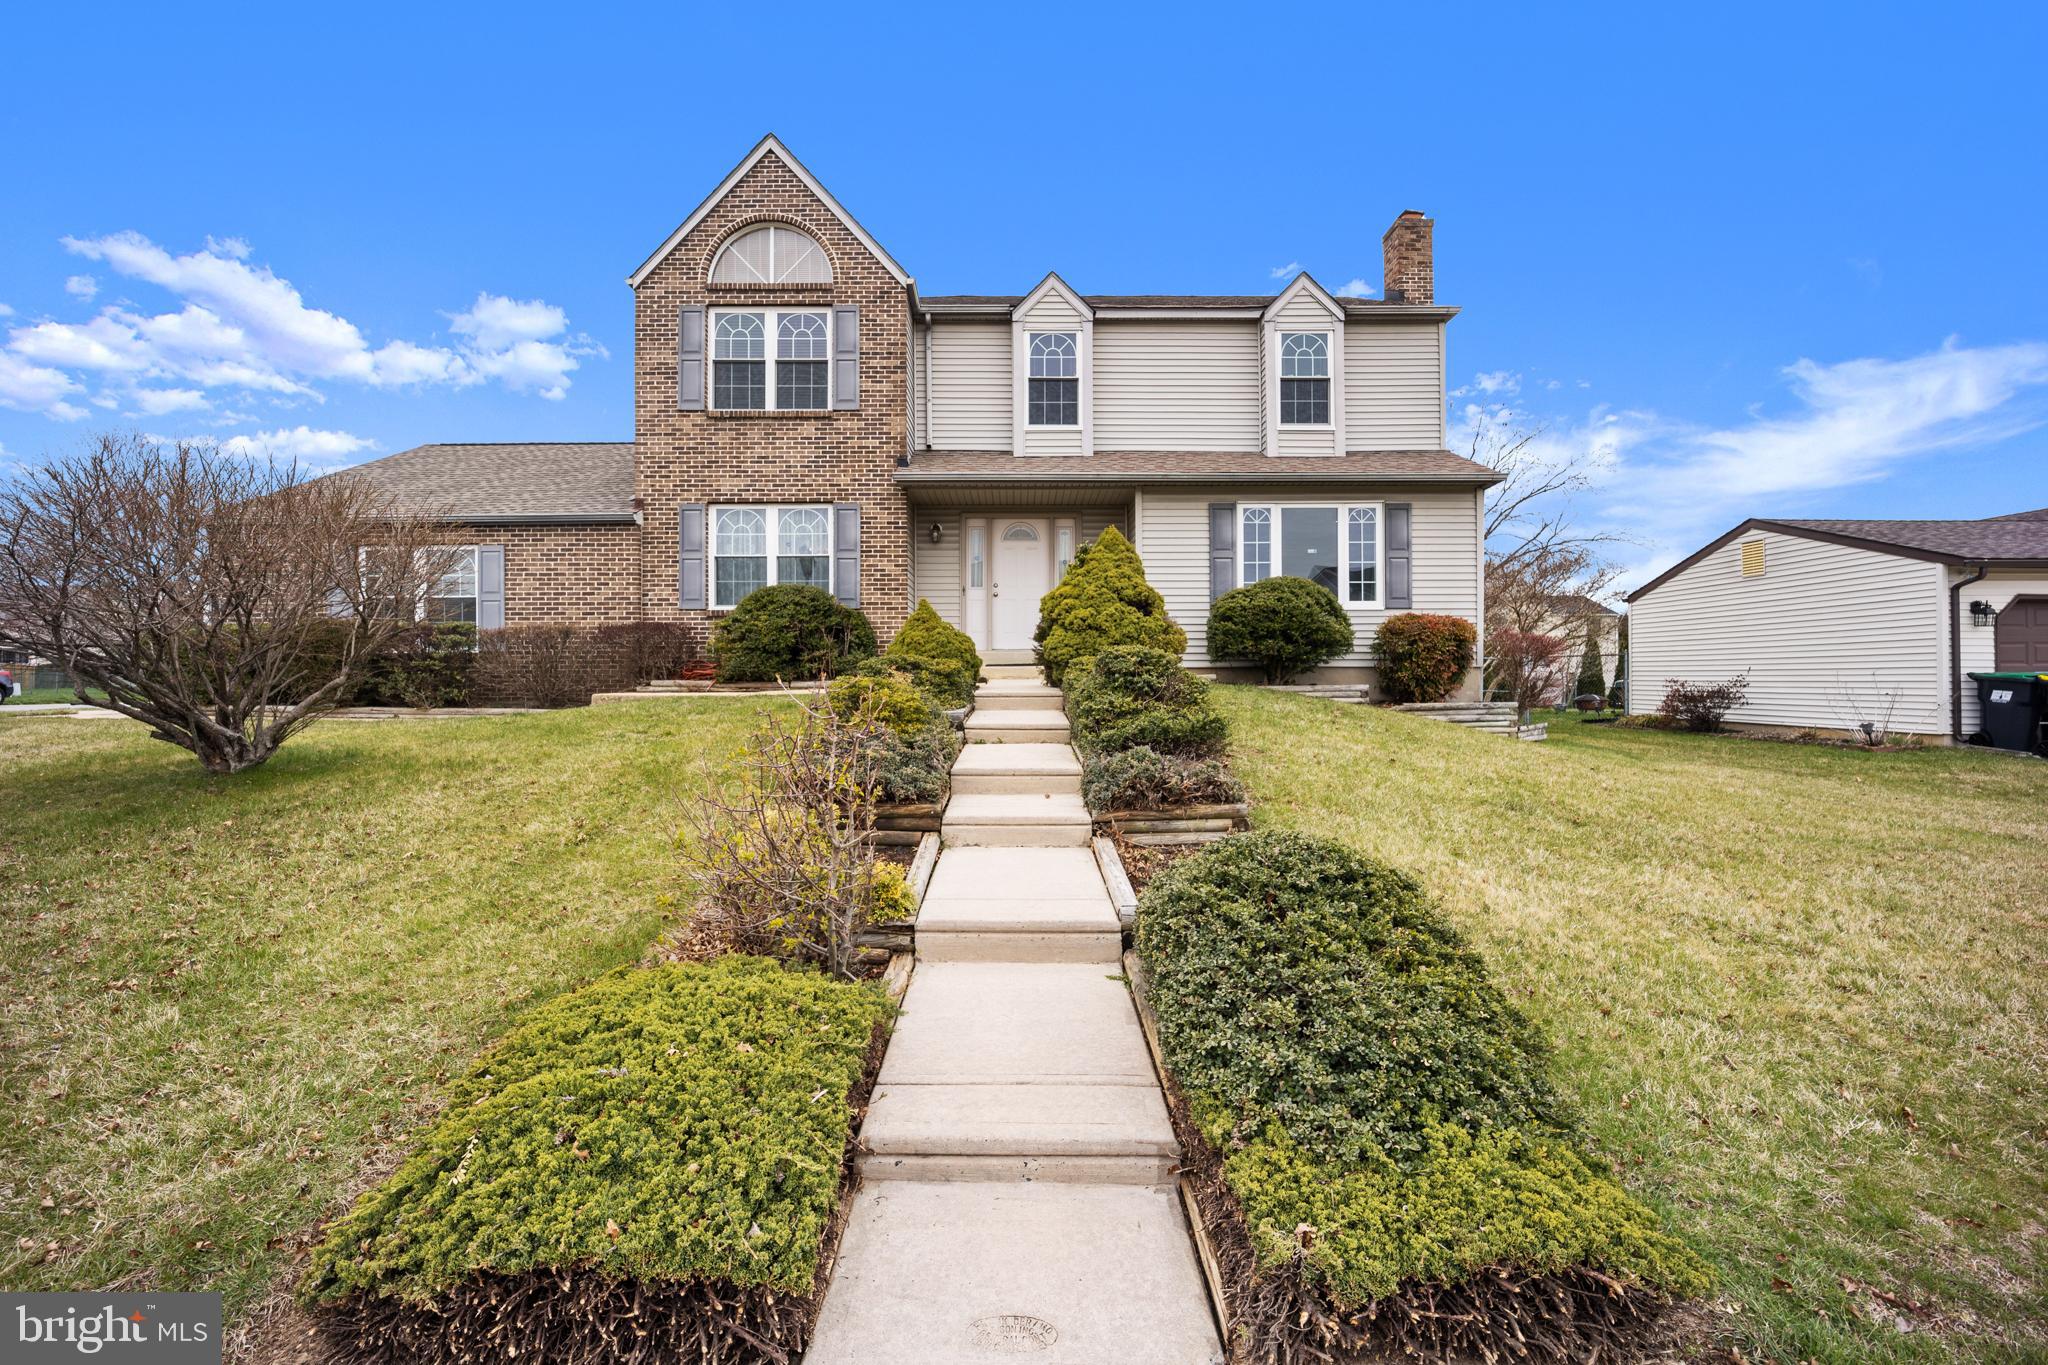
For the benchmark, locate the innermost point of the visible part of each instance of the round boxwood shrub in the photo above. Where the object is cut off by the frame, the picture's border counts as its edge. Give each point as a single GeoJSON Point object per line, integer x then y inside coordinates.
{"type": "Point", "coordinates": [792, 633]}
{"type": "Point", "coordinates": [1103, 601]}
{"type": "Point", "coordinates": [1283, 625]}
{"type": "Point", "coordinates": [896, 701]}
{"type": "Point", "coordinates": [1422, 658]}
{"type": "Point", "coordinates": [1132, 695]}
{"type": "Point", "coordinates": [925, 635]}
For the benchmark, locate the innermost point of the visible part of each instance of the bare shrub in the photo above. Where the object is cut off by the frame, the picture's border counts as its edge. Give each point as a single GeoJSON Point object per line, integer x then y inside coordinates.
{"type": "Point", "coordinates": [787, 861]}
{"type": "Point", "coordinates": [1524, 664]}
{"type": "Point", "coordinates": [1702, 707]}
{"type": "Point", "coordinates": [535, 665]}
{"type": "Point", "coordinates": [224, 603]}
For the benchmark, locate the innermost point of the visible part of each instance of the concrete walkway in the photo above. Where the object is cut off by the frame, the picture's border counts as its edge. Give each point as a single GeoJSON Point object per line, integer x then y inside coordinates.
{"type": "Point", "coordinates": [1017, 1192]}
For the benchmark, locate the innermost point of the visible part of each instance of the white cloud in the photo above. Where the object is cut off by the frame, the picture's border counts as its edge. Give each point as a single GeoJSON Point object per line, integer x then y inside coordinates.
{"type": "Point", "coordinates": [495, 323]}
{"type": "Point", "coordinates": [81, 286]}
{"type": "Point", "coordinates": [1492, 383]}
{"type": "Point", "coordinates": [157, 402]}
{"type": "Point", "coordinates": [240, 326]}
{"type": "Point", "coordinates": [6, 311]}
{"type": "Point", "coordinates": [1669, 484]}
{"type": "Point", "coordinates": [28, 387]}
{"type": "Point", "coordinates": [303, 444]}
{"type": "Point", "coordinates": [1356, 288]}
{"type": "Point", "coordinates": [1285, 272]}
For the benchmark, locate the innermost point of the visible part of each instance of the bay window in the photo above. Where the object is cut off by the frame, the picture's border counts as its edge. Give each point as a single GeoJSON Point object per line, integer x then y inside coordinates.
{"type": "Point", "coordinates": [1334, 545]}
{"type": "Point", "coordinates": [759, 547]}
{"type": "Point", "coordinates": [763, 354]}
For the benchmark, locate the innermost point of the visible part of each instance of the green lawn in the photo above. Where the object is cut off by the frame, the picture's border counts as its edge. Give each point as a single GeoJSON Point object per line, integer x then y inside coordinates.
{"type": "Point", "coordinates": [224, 998]}
{"type": "Point", "coordinates": [1801, 993]}
{"type": "Point", "coordinates": [44, 696]}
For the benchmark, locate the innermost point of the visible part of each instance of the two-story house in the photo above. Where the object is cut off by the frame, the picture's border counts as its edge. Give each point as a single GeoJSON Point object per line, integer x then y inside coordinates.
{"type": "Point", "coordinates": [804, 415]}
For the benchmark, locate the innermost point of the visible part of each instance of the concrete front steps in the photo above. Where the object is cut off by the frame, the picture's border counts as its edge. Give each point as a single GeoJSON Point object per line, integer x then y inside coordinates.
{"type": "Point", "coordinates": [1017, 1163]}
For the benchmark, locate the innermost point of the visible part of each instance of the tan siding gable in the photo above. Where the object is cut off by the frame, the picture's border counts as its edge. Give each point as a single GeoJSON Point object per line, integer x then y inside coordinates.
{"type": "Point", "coordinates": [1825, 633]}
{"type": "Point", "coordinates": [970, 398]}
{"type": "Point", "coordinates": [1177, 385]}
{"type": "Point", "coordinates": [1393, 386]}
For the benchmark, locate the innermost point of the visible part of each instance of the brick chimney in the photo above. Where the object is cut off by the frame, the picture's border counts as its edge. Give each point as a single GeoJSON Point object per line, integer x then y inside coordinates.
{"type": "Point", "coordinates": [1410, 261]}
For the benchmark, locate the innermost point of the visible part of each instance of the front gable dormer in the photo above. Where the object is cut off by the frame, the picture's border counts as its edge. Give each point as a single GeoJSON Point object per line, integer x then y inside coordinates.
{"type": "Point", "coordinates": [1052, 371]}
{"type": "Point", "coordinates": [1301, 358]}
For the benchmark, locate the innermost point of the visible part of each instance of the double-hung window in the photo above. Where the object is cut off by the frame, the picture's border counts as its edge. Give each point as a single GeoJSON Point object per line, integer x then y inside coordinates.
{"type": "Point", "coordinates": [759, 547]}
{"type": "Point", "coordinates": [1335, 545]}
{"type": "Point", "coordinates": [453, 597]}
{"type": "Point", "coordinates": [1055, 379]}
{"type": "Point", "coordinates": [761, 355]}
{"type": "Point", "coordinates": [1305, 379]}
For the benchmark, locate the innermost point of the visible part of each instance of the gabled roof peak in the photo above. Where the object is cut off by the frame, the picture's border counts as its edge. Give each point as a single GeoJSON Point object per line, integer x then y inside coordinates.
{"type": "Point", "coordinates": [1053, 284]}
{"type": "Point", "coordinates": [768, 145]}
{"type": "Point", "coordinates": [1305, 283]}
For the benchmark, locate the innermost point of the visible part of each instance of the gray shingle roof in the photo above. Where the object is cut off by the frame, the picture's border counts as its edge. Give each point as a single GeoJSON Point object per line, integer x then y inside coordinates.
{"type": "Point", "coordinates": [564, 482]}
{"type": "Point", "coordinates": [1179, 466]}
{"type": "Point", "coordinates": [1136, 301]}
{"type": "Point", "coordinates": [2021, 537]}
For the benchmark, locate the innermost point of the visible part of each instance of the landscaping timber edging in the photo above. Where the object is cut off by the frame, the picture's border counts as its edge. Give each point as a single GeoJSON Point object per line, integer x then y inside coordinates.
{"type": "Point", "coordinates": [1121, 893]}
{"type": "Point", "coordinates": [1177, 824]}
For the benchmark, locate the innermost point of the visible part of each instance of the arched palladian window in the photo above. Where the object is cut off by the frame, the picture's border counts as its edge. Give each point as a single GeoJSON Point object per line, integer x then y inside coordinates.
{"type": "Point", "coordinates": [772, 254]}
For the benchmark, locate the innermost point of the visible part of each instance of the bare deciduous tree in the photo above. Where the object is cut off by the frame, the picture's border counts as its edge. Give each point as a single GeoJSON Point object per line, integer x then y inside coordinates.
{"type": "Point", "coordinates": [224, 603]}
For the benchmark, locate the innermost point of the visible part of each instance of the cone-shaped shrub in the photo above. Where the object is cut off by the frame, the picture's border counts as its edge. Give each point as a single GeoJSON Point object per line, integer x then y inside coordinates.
{"type": "Point", "coordinates": [1129, 695]}
{"type": "Point", "coordinates": [925, 634]}
{"type": "Point", "coordinates": [1372, 1138]}
{"type": "Point", "coordinates": [1591, 682]}
{"type": "Point", "coordinates": [1104, 600]}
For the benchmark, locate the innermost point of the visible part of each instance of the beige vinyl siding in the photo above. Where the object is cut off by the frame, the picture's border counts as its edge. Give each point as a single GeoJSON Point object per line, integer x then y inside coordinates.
{"type": "Point", "coordinates": [1980, 643]}
{"type": "Point", "coordinates": [1093, 521]}
{"type": "Point", "coordinates": [918, 430]}
{"type": "Point", "coordinates": [1052, 440]}
{"type": "Point", "coordinates": [970, 398]}
{"type": "Point", "coordinates": [1177, 385]}
{"type": "Point", "coordinates": [1051, 313]}
{"type": "Point", "coordinates": [1305, 313]}
{"type": "Point", "coordinates": [935, 570]}
{"type": "Point", "coordinates": [1825, 633]}
{"type": "Point", "coordinates": [1393, 385]}
{"type": "Point", "coordinates": [1445, 528]}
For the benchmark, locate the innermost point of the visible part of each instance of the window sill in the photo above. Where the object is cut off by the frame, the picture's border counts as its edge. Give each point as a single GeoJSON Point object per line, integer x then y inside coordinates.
{"type": "Point", "coordinates": [785, 414]}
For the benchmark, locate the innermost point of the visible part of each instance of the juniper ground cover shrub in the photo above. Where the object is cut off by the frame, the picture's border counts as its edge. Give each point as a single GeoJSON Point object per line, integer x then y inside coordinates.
{"type": "Point", "coordinates": [1283, 625]}
{"type": "Point", "coordinates": [1130, 695]}
{"type": "Point", "coordinates": [1422, 658]}
{"type": "Point", "coordinates": [791, 633]}
{"type": "Point", "coordinates": [1375, 1144]}
{"type": "Point", "coordinates": [1103, 601]}
{"type": "Point", "coordinates": [1144, 779]}
{"type": "Point", "coordinates": [649, 1164]}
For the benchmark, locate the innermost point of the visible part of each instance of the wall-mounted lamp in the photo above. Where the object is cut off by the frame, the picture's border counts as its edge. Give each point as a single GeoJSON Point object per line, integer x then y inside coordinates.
{"type": "Point", "coordinates": [1981, 613]}
{"type": "Point", "coordinates": [938, 533]}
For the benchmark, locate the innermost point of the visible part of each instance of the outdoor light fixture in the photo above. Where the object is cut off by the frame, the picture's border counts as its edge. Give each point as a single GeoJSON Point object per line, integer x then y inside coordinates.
{"type": "Point", "coordinates": [1981, 613]}
{"type": "Point", "coordinates": [939, 531]}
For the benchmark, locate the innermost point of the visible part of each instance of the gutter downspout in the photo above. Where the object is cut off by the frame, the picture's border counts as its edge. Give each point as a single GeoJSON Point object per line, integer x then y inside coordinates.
{"type": "Point", "coordinates": [1955, 652]}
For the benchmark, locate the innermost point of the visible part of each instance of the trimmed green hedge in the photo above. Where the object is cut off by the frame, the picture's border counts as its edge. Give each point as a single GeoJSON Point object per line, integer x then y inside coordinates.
{"type": "Point", "coordinates": [1381, 1110]}
{"type": "Point", "coordinates": [1283, 625]}
{"type": "Point", "coordinates": [660, 1124]}
{"type": "Point", "coordinates": [1128, 696]}
{"type": "Point", "coordinates": [790, 633]}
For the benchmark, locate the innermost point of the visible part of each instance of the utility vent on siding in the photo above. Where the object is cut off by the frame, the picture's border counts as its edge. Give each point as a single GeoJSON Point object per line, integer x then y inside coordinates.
{"type": "Point", "coordinates": [1752, 559]}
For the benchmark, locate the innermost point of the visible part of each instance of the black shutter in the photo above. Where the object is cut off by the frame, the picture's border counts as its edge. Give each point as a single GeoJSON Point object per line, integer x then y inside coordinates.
{"type": "Point", "coordinates": [690, 360]}
{"type": "Point", "coordinates": [690, 556]}
{"type": "Point", "coordinates": [1400, 558]}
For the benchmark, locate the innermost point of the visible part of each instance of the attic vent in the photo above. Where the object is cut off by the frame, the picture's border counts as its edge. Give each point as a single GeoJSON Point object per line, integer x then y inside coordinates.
{"type": "Point", "coordinates": [1752, 559]}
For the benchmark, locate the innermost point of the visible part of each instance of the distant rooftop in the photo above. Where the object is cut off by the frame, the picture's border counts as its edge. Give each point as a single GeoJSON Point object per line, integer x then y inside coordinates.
{"type": "Point", "coordinates": [566, 482]}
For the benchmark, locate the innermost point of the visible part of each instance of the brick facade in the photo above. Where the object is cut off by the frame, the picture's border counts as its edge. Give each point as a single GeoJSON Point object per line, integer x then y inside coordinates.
{"type": "Point", "coordinates": [568, 575]}
{"type": "Point", "coordinates": [1410, 259]}
{"type": "Point", "coordinates": [815, 457]}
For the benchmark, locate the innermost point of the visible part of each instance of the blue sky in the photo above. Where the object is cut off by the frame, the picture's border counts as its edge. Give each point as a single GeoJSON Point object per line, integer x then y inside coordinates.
{"type": "Point", "coordinates": [1780, 260]}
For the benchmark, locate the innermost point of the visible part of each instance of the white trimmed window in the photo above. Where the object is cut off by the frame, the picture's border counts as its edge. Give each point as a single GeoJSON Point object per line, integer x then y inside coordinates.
{"type": "Point", "coordinates": [453, 598]}
{"type": "Point", "coordinates": [1054, 379]}
{"type": "Point", "coordinates": [1305, 379]}
{"type": "Point", "coordinates": [1335, 545]}
{"type": "Point", "coordinates": [759, 354]}
{"type": "Point", "coordinates": [760, 547]}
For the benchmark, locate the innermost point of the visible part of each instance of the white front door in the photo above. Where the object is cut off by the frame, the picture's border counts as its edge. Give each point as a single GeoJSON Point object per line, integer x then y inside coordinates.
{"type": "Point", "coordinates": [1023, 575]}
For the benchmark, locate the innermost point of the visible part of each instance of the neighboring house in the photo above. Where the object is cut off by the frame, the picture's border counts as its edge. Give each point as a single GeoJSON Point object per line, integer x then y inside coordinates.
{"type": "Point", "coordinates": [1838, 623]}
{"type": "Point", "coordinates": [803, 414]}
